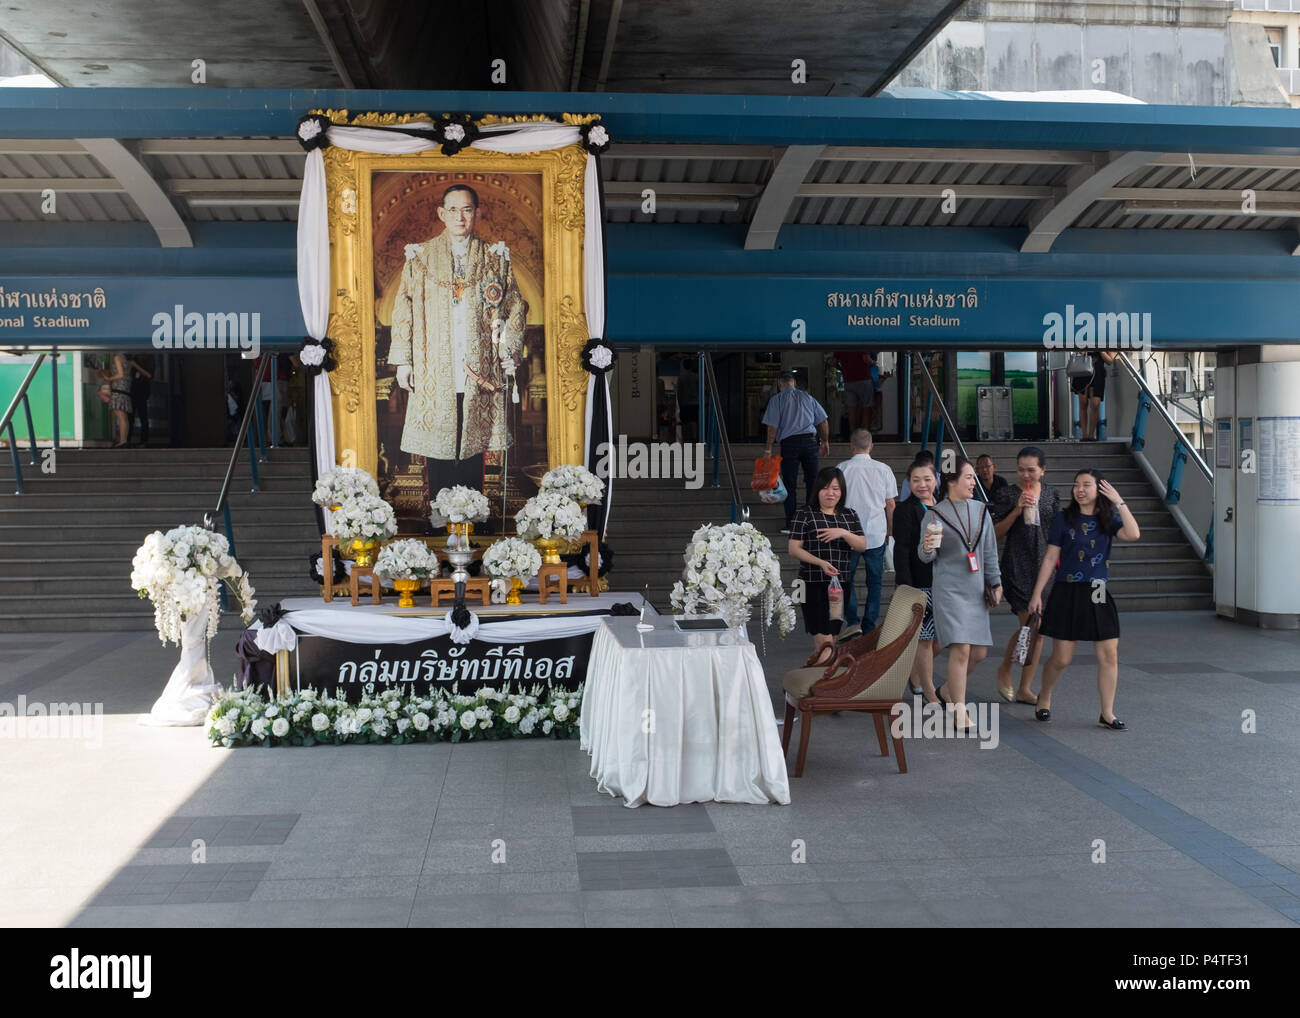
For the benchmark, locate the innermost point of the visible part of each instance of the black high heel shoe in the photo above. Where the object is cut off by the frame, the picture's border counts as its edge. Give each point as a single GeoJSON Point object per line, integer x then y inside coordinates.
{"type": "Point", "coordinates": [1043, 714]}
{"type": "Point", "coordinates": [1115, 726]}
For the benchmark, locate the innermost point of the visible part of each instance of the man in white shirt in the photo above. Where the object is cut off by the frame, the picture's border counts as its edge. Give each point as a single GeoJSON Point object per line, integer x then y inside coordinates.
{"type": "Point", "coordinates": [872, 492]}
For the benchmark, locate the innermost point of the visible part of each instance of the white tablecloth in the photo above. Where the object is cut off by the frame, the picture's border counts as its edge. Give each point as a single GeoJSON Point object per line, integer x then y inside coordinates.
{"type": "Point", "coordinates": [670, 717]}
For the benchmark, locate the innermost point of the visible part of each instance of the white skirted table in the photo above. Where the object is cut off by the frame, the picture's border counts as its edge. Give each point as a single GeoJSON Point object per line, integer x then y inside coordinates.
{"type": "Point", "coordinates": [673, 717]}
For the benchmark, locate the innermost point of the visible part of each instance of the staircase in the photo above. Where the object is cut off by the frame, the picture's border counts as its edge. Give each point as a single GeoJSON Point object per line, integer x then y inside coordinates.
{"type": "Point", "coordinates": [66, 545]}
{"type": "Point", "coordinates": [652, 521]}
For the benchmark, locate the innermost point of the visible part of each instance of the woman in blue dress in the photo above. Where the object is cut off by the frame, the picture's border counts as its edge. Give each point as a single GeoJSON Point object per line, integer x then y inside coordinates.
{"type": "Point", "coordinates": [1080, 606]}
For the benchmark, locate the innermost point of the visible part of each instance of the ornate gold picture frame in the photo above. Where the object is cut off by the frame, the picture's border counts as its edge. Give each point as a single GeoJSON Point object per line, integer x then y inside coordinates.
{"type": "Point", "coordinates": [355, 384]}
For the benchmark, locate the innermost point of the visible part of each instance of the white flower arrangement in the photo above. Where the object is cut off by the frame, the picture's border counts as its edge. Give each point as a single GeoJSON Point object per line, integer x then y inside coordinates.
{"type": "Point", "coordinates": [181, 571]}
{"type": "Point", "coordinates": [459, 504]}
{"type": "Point", "coordinates": [365, 518]}
{"type": "Point", "coordinates": [406, 560]}
{"type": "Point", "coordinates": [308, 717]}
{"type": "Point", "coordinates": [336, 486]}
{"type": "Point", "coordinates": [727, 567]}
{"type": "Point", "coordinates": [512, 558]}
{"type": "Point", "coordinates": [577, 482]}
{"type": "Point", "coordinates": [549, 514]}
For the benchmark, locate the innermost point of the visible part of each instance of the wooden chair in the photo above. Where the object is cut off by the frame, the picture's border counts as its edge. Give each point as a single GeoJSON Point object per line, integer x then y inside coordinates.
{"type": "Point", "coordinates": [868, 673]}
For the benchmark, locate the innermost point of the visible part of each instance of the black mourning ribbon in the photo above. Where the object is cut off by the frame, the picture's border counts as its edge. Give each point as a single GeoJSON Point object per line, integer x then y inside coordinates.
{"type": "Point", "coordinates": [460, 616]}
{"type": "Point", "coordinates": [270, 616]}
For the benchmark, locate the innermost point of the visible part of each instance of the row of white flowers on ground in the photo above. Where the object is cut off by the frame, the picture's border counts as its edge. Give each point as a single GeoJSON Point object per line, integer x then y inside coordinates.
{"type": "Point", "coordinates": [309, 717]}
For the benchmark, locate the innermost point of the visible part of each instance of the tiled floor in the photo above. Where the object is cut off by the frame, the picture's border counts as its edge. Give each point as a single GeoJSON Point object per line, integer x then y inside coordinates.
{"type": "Point", "coordinates": [1189, 819]}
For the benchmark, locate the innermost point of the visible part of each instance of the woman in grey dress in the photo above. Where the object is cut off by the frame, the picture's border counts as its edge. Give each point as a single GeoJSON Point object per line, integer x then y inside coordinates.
{"type": "Point", "coordinates": [965, 559]}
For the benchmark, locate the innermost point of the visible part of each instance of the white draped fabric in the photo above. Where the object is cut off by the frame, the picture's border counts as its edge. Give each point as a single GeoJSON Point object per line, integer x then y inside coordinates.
{"type": "Point", "coordinates": [190, 690]}
{"type": "Point", "coordinates": [373, 624]}
{"type": "Point", "coordinates": [313, 241]}
{"type": "Point", "coordinates": [710, 734]}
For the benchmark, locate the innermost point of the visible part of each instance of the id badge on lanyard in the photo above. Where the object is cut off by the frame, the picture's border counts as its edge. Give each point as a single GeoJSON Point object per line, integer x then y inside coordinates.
{"type": "Point", "coordinates": [974, 561]}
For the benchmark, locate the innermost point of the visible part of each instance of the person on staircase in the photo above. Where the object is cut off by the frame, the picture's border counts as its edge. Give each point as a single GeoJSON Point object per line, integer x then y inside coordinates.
{"type": "Point", "coordinates": [119, 397]}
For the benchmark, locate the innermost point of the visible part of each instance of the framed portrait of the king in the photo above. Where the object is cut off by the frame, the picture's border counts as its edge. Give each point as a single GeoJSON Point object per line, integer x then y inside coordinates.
{"type": "Point", "coordinates": [457, 322]}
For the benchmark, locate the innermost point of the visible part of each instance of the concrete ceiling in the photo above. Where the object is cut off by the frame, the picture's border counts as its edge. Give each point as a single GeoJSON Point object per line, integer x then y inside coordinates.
{"type": "Point", "coordinates": [850, 47]}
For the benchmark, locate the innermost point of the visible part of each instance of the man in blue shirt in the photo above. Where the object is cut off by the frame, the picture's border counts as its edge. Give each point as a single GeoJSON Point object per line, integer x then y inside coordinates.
{"type": "Point", "coordinates": [799, 423]}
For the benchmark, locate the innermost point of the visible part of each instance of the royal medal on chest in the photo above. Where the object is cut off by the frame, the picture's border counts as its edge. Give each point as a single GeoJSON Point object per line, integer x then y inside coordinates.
{"type": "Point", "coordinates": [458, 290]}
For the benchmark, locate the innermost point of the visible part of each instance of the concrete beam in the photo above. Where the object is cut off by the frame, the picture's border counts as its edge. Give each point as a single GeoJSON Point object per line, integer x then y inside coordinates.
{"type": "Point", "coordinates": [1084, 186]}
{"type": "Point", "coordinates": [992, 192]}
{"type": "Point", "coordinates": [787, 177]}
{"type": "Point", "coordinates": [143, 189]}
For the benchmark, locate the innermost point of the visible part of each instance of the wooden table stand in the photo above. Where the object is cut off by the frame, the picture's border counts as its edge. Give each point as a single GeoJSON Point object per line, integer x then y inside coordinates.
{"type": "Point", "coordinates": [445, 586]}
{"type": "Point", "coordinates": [358, 574]}
{"type": "Point", "coordinates": [553, 580]}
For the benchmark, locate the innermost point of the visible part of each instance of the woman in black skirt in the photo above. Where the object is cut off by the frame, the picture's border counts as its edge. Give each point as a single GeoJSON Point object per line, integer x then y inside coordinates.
{"type": "Point", "coordinates": [822, 534]}
{"type": "Point", "coordinates": [910, 571]}
{"type": "Point", "coordinates": [1080, 606]}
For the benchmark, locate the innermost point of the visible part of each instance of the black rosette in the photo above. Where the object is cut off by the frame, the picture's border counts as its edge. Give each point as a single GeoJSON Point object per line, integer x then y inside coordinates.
{"type": "Point", "coordinates": [582, 559]}
{"type": "Point", "coordinates": [595, 138]}
{"type": "Point", "coordinates": [270, 616]}
{"type": "Point", "coordinates": [598, 357]}
{"type": "Point", "coordinates": [314, 355]}
{"type": "Point", "coordinates": [312, 131]}
{"type": "Point", "coordinates": [455, 131]}
{"type": "Point", "coordinates": [461, 617]}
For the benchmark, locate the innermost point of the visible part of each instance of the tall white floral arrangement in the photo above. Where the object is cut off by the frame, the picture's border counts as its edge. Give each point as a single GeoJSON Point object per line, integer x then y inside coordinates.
{"type": "Point", "coordinates": [336, 486]}
{"type": "Point", "coordinates": [181, 571]}
{"type": "Point", "coordinates": [406, 560]}
{"type": "Point", "coordinates": [577, 482]}
{"type": "Point", "coordinates": [365, 518]}
{"type": "Point", "coordinates": [459, 504]}
{"type": "Point", "coordinates": [512, 558]}
{"type": "Point", "coordinates": [548, 515]}
{"type": "Point", "coordinates": [727, 568]}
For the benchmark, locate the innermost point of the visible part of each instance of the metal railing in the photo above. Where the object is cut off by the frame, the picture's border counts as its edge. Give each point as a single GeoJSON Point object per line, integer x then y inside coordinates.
{"type": "Point", "coordinates": [933, 396]}
{"type": "Point", "coordinates": [7, 421]}
{"type": "Point", "coordinates": [721, 444]}
{"type": "Point", "coordinates": [252, 413]}
{"type": "Point", "coordinates": [1190, 499]}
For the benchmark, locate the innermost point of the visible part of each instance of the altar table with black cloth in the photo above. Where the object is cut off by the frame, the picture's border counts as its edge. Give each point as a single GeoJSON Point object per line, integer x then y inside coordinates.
{"type": "Point", "coordinates": [369, 648]}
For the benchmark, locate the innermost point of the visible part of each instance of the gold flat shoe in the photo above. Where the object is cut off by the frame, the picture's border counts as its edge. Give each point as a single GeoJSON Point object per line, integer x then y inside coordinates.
{"type": "Point", "coordinates": [1007, 693]}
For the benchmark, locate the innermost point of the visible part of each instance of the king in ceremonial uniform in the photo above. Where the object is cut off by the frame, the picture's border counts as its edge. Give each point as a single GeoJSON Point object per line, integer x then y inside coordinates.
{"type": "Point", "coordinates": [457, 337]}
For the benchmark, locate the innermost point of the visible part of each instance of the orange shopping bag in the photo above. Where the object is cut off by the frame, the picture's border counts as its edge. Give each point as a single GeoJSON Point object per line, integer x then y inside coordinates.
{"type": "Point", "coordinates": [767, 473]}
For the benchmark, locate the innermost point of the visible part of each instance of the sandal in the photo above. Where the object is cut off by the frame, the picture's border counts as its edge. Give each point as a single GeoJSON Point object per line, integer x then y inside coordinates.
{"type": "Point", "coordinates": [1043, 714]}
{"type": "Point", "coordinates": [1115, 726]}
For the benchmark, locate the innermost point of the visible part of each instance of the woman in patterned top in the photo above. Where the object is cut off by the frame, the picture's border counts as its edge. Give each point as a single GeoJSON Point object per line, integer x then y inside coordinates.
{"type": "Point", "coordinates": [1080, 606]}
{"type": "Point", "coordinates": [1022, 554]}
{"type": "Point", "coordinates": [822, 534]}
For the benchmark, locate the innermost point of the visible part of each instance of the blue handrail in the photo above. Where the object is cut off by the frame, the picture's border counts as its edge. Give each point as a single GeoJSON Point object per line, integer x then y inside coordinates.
{"type": "Point", "coordinates": [7, 422]}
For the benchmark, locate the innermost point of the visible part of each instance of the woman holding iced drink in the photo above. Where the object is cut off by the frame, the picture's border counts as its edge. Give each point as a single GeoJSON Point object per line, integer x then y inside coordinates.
{"type": "Point", "coordinates": [959, 541]}
{"type": "Point", "coordinates": [1023, 514]}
